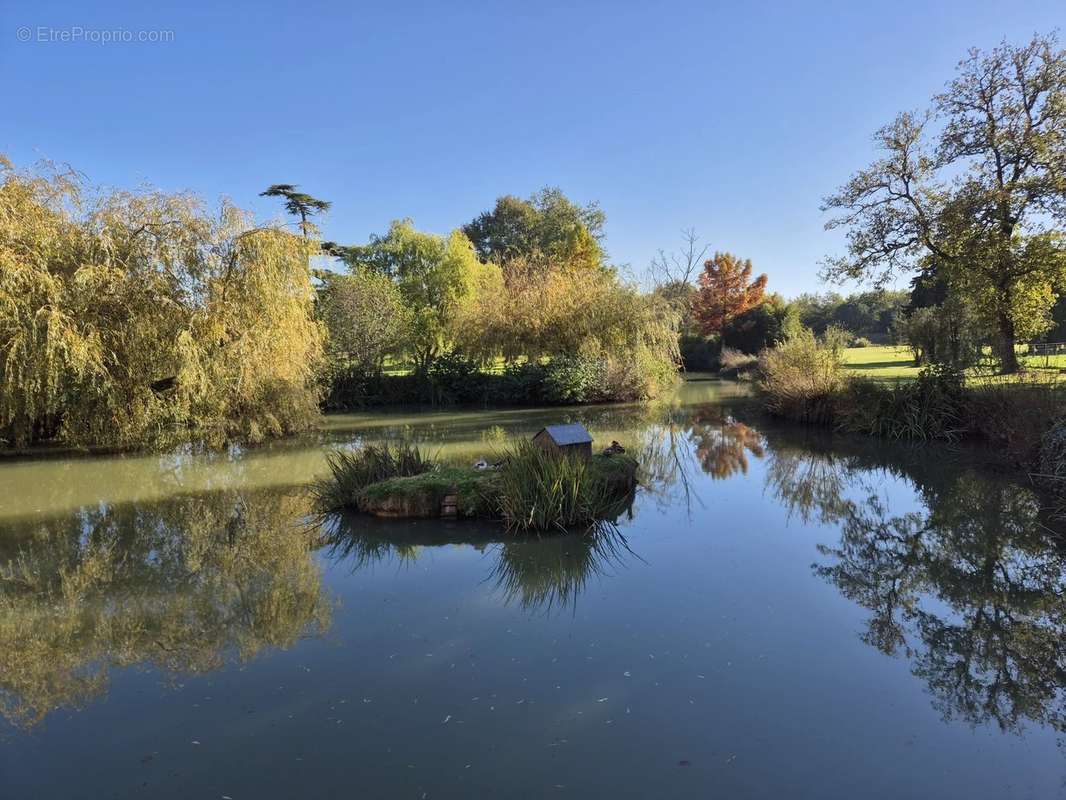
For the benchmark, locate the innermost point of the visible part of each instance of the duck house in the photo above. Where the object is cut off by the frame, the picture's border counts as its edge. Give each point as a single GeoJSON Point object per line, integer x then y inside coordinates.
{"type": "Point", "coordinates": [565, 440]}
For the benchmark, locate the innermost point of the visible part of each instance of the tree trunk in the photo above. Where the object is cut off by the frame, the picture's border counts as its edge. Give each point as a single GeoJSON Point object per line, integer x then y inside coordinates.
{"type": "Point", "coordinates": [1008, 359]}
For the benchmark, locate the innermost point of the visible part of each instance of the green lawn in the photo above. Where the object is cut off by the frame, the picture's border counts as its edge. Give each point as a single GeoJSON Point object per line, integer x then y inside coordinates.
{"type": "Point", "coordinates": [893, 363]}
{"type": "Point", "coordinates": [881, 362]}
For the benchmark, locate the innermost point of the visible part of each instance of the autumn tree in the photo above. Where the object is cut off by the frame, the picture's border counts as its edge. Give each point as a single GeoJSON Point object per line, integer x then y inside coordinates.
{"type": "Point", "coordinates": [972, 188]}
{"type": "Point", "coordinates": [726, 290]}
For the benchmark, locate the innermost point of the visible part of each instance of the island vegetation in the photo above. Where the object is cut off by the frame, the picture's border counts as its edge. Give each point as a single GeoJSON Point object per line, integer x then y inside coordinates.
{"type": "Point", "coordinates": [527, 488]}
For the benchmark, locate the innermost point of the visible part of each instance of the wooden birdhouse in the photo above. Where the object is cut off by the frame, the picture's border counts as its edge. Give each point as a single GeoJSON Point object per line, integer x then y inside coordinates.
{"type": "Point", "coordinates": [568, 440]}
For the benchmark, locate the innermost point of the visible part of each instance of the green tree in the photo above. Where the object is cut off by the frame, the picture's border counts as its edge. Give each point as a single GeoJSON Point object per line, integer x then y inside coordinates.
{"type": "Point", "coordinates": [436, 276]}
{"type": "Point", "coordinates": [548, 228]}
{"type": "Point", "coordinates": [366, 320]}
{"type": "Point", "coordinates": [980, 204]}
{"type": "Point", "coordinates": [299, 204]}
{"type": "Point", "coordinates": [765, 325]}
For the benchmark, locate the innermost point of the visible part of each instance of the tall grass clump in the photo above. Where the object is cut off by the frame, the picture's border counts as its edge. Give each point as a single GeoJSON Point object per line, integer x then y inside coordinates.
{"type": "Point", "coordinates": [735, 364]}
{"type": "Point", "coordinates": [930, 407]}
{"type": "Point", "coordinates": [1018, 417]}
{"type": "Point", "coordinates": [801, 378]}
{"type": "Point", "coordinates": [539, 491]}
{"type": "Point", "coordinates": [351, 471]}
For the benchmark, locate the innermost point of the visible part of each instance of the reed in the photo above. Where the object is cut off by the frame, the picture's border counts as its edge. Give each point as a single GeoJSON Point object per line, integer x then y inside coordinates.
{"type": "Point", "coordinates": [538, 491]}
{"type": "Point", "coordinates": [351, 471]}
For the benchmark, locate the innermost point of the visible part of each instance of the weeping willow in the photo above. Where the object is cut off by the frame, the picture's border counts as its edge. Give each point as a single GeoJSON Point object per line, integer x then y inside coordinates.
{"type": "Point", "coordinates": [133, 318]}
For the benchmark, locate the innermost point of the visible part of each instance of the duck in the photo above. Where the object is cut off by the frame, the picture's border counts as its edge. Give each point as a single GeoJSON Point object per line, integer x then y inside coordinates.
{"type": "Point", "coordinates": [481, 464]}
{"type": "Point", "coordinates": [614, 449]}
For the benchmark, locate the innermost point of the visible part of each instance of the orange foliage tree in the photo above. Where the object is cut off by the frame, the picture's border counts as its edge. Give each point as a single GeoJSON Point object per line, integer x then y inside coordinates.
{"type": "Point", "coordinates": [726, 290]}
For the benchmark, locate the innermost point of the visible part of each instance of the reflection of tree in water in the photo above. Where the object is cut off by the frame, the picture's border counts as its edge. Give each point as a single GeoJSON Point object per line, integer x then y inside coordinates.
{"type": "Point", "coordinates": [546, 573]}
{"type": "Point", "coordinates": [972, 589]}
{"type": "Point", "coordinates": [722, 443]}
{"type": "Point", "coordinates": [684, 442]}
{"type": "Point", "coordinates": [184, 585]}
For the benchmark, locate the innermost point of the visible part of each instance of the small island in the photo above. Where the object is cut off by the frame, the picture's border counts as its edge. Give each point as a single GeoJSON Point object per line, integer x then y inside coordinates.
{"type": "Point", "coordinates": [553, 482]}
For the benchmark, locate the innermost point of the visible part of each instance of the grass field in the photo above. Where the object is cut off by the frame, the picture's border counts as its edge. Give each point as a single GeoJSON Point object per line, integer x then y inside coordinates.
{"type": "Point", "coordinates": [892, 363]}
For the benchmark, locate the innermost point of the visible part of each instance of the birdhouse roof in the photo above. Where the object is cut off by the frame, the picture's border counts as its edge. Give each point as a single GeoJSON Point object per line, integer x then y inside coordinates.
{"type": "Point", "coordinates": [575, 433]}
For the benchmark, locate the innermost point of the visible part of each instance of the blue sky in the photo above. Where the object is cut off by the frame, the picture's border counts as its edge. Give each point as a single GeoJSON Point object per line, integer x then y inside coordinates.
{"type": "Point", "coordinates": [735, 118]}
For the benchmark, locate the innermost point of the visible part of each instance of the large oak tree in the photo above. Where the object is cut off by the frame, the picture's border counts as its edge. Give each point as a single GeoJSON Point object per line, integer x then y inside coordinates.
{"type": "Point", "coordinates": [975, 189]}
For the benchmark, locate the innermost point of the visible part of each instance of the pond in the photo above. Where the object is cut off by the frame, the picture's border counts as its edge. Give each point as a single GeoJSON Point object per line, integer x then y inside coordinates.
{"type": "Point", "coordinates": [779, 614]}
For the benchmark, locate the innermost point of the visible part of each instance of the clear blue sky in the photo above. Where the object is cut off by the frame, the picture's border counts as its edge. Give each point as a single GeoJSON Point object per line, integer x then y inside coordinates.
{"type": "Point", "coordinates": [735, 118]}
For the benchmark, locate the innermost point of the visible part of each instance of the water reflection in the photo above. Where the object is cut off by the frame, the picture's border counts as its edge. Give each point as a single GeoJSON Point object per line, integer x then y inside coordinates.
{"type": "Point", "coordinates": [545, 574]}
{"type": "Point", "coordinates": [184, 585]}
{"type": "Point", "coordinates": [957, 568]}
{"type": "Point", "coordinates": [971, 587]}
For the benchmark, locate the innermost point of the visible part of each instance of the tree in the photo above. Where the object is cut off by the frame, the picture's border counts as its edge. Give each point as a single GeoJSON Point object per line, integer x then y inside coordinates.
{"type": "Point", "coordinates": [298, 204]}
{"type": "Point", "coordinates": [141, 318]}
{"type": "Point", "coordinates": [767, 324]}
{"type": "Point", "coordinates": [726, 290]}
{"type": "Point", "coordinates": [587, 315]}
{"type": "Point", "coordinates": [680, 267]}
{"type": "Point", "coordinates": [980, 204]}
{"type": "Point", "coordinates": [547, 228]}
{"type": "Point", "coordinates": [435, 276]}
{"type": "Point", "coordinates": [671, 277]}
{"type": "Point", "coordinates": [366, 320]}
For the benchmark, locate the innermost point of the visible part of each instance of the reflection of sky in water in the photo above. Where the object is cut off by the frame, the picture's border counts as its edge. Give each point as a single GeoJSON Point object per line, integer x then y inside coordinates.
{"type": "Point", "coordinates": [785, 614]}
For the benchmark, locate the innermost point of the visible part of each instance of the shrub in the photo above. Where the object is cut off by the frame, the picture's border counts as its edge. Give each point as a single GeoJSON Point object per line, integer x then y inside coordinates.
{"type": "Point", "coordinates": [930, 407]}
{"type": "Point", "coordinates": [455, 378]}
{"type": "Point", "coordinates": [1053, 451]}
{"type": "Point", "coordinates": [521, 383]}
{"type": "Point", "coordinates": [574, 379]}
{"type": "Point", "coordinates": [699, 353]}
{"type": "Point", "coordinates": [351, 471]}
{"type": "Point", "coordinates": [1053, 462]}
{"type": "Point", "coordinates": [861, 341]}
{"type": "Point", "coordinates": [1014, 417]}
{"type": "Point", "coordinates": [801, 378]}
{"type": "Point", "coordinates": [766, 325]}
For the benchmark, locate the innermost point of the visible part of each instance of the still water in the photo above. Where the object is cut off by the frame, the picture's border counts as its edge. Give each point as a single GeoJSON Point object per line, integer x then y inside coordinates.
{"type": "Point", "coordinates": [780, 614]}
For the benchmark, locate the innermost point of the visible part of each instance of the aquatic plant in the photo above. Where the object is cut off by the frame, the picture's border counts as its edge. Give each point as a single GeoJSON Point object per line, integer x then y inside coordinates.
{"type": "Point", "coordinates": [538, 491]}
{"type": "Point", "coordinates": [931, 407]}
{"type": "Point", "coordinates": [351, 471]}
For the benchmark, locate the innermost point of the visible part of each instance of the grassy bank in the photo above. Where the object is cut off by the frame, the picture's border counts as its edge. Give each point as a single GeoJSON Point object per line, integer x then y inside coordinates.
{"type": "Point", "coordinates": [1023, 418]}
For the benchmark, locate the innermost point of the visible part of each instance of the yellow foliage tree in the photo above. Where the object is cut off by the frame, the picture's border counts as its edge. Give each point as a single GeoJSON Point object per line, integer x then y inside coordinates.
{"type": "Point", "coordinates": [141, 318]}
